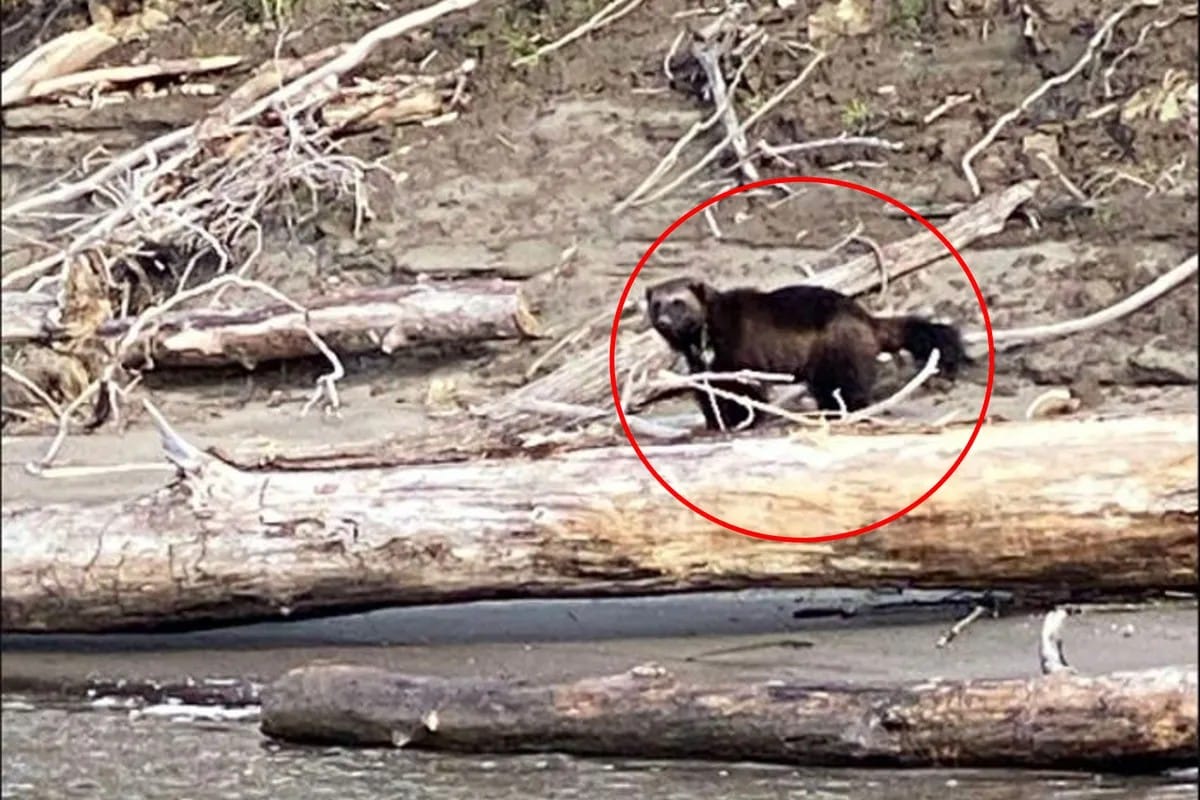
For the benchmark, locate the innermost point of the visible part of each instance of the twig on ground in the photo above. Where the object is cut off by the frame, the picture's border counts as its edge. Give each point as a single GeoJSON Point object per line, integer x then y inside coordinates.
{"type": "Point", "coordinates": [610, 13]}
{"type": "Point", "coordinates": [1097, 41]}
{"type": "Point", "coordinates": [843, 166]}
{"type": "Point", "coordinates": [778, 152]}
{"type": "Point", "coordinates": [847, 239]}
{"type": "Point", "coordinates": [950, 103]}
{"type": "Point", "coordinates": [1147, 29]}
{"type": "Point", "coordinates": [700, 381]}
{"type": "Point", "coordinates": [712, 223]}
{"type": "Point", "coordinates": [955, 630]}
{"type": "Point", "coordinates": [1050, 645]}
{"type": "Point", "coordinates": [1013, 337]}
{"type": "Point", "coordinates": [709, 59]}
{"type": "Point", "coordinates": [666, 63]}
{"type": "Point", "coordinates": [927, 372]}
{"type": "Point", "coordinates": [1057, 398]}
{"type": "Point", "coordinates": [1074, 190]}
{"type": "Point", "coordinates": [33, 388]}
{"type": "Point", "coordinates": [110, 469]}
{"type": "Point", "coordinates": [64, 427]}
{"type": "Point", "coordinates": [743, 376]}
{"type": "Point", "coordinates": [883, 269]}
{"type": "Point", "coordinates": [716, 150]}
{"type": "Point", "coordinates": [1167, 180]}
{"type": "Point", "coordinates": [700, 126]}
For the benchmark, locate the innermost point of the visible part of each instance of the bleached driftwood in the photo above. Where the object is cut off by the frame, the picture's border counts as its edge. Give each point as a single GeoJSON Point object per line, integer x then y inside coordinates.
{"type": "Point", "coordinates": [1045, 508]}
{"type": "Point", "coordinates": [1132, 721]}
{"type": "Point", "coordinates": [76, 81]}
{"type": "Point", "coordinates": [74, 50]}
{"type": "Point", "coordinates": [363, 320]}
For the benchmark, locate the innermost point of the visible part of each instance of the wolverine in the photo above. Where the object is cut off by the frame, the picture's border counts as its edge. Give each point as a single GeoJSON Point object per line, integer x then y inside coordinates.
{"type": "Point", "coordinates": [821, 337]}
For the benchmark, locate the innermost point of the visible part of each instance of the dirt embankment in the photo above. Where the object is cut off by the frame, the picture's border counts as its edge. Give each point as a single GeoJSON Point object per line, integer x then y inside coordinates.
{"type": "Point", "coordinates": [523, 183]}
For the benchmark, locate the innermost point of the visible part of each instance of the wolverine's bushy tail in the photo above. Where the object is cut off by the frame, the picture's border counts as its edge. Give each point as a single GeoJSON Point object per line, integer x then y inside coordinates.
{"type": "Point", "coordinates": [919, 337]}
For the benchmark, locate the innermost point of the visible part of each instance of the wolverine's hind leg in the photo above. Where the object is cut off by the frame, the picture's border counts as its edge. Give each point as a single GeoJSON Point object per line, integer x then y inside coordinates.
{"type": "Point", "coordinates": [835, 376]}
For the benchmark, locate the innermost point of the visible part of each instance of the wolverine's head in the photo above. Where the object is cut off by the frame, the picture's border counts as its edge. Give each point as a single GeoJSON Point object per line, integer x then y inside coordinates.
{"type": "Point", "coordinates": [678, 309]}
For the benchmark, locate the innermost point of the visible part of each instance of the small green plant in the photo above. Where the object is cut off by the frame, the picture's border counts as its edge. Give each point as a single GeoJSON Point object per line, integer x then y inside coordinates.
{"type": "Point", "coordinates": [752, 101]}
{"type": "Point", "coordinates": [519, 29]}
{"type": "Point", "coordinates": [855, 115]}
{"type": "Point", "coordinates": [908, 13]}
{"type": "Point", "coordinates": [519, 43]}
{"type": "Point", "coordinates": [269, 12]}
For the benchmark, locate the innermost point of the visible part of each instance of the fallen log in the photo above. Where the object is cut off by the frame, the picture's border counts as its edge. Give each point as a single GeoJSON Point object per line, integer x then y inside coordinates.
{"type": "Point", "coordinates": [1132, 721]}
{"type": "Point", "coordinates": [1050, 509]}
{"type": "Point", "coordinates": [74, 50]}
{"type": "Point", "coordinates": [385, 319]}
{"type": "Point", "coordinates": [107, 76]}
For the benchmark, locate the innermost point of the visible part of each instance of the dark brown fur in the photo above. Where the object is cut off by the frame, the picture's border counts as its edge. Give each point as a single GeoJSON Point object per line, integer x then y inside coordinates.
{"type": "Point", "coordinates": [823, 338]}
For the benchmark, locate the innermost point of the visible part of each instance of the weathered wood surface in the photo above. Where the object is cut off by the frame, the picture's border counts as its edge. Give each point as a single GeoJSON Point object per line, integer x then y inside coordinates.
{"type": "Point", "coordinates": [361, 321]}
{"type": "Point", "coordinates": [1048, 509]}
{"type": "Point", "coordinates": [1142, 720]}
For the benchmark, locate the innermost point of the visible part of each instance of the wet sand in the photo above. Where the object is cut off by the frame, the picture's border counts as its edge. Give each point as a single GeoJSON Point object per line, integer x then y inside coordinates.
{"type": "Point", "coordinates": [551, 640]}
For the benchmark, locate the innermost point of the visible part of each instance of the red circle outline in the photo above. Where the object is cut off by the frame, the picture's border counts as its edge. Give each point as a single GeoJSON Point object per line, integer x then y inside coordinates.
{"type": "Point", "coordinates": [987, 322]}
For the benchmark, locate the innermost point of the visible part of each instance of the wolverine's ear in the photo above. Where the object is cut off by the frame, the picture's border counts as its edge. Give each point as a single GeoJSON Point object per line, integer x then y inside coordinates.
{"type": "Point", "coordinates": [702, 290]}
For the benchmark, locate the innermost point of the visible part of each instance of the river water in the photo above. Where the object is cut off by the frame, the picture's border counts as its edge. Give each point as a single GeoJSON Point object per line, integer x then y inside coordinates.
{"type": "Point", "coordinates": [59, 744]}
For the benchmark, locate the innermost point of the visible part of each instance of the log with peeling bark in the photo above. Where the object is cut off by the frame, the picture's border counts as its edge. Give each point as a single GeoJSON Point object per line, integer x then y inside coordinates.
{"type": "Point", "coordinates": [1133, 721]}
{"type": "Point", "coordinates": [364, 320]}
{"type": "Point", "coordinates": [1048, 509]}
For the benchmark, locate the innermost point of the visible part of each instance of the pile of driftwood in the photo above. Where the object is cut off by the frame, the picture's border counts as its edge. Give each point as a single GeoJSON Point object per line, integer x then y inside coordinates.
{"type": "Point", "coordinates": [490, 505]}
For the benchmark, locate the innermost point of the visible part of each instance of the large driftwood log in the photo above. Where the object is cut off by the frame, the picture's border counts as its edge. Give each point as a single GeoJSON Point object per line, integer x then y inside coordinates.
{"type": "Point", "coordinates": [1129, 721]}
{"type": "Point", "coordinates": [361, 321]}
{"type": "Point", "coordinates": [1047, 509]}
